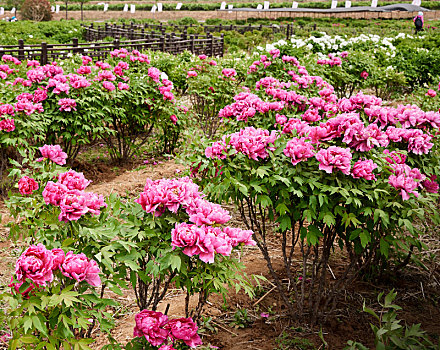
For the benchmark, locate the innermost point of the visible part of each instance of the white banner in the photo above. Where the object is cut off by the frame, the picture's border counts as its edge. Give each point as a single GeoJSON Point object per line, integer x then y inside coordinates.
{"type": "Point", "coordinates": [2, 10]}
{"type": "Point", "coordinates": [259, 7]}
{"type": "Point", "coordinates": [347, 4]}
{"type": "Point", "coordinates": [373, 3]}
{"type": "Point", "coordinates": [13, 10]}
{"type": "Point", "coordinates": [57, 9]}
{"type": "Point", "coordinates": [334, 4]}
{"type": "Point", "coordinates": [125, 8]}
{"type": "Point", "coordinates": [223, 6]}
{"type": "Point", "coordinates": [154, 8]}
{"type": "Point", "coordinates": [294, 5]}
{"type": "Point", "coordinates": [266, 5]}
{"type": "Point", "coordinates": [159, 7]}
{"type": "Point", "coordinates": [105, 7]}
{"type": "Point", "coordinates": [132, 8]}
{"type": "Point", "coordinates": [178, 6]}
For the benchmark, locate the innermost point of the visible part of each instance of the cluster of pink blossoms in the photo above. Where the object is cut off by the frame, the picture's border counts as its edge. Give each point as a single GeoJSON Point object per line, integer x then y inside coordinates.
{"type": "Point", "coordinates": [332, 61]}
{"type": "Point", "coordinates": [7, 124]}
{"type": "Point", "coordinates": [252, 142]}
{"type": "Point", "coordinates": [38, 264]}
{"type": "Point", "coordinates": [247, 105]}
{"type": "Point", "coordinates": [161, 331]}
{"type": "Point", "coordinates": [263, 63]}
{"type": "Point", "coordinates": [68, 194]}
{"type": "Point", "coordinates": [199, 238]}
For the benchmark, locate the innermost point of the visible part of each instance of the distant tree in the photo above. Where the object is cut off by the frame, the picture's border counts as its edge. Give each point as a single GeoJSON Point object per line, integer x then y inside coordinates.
{"type": "Point", "coordinates": [36, 10]}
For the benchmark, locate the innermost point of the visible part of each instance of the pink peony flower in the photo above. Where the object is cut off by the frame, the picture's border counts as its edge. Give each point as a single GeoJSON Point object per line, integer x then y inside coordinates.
{"type": "Point", "coordinates": [364, 75]}
{"type": "Point", "coordinates": [334, 158]}
{"type": "Point", "coordinates": [229, 72]}
{"type": "Point", "coordinates": [73, 180]}
{"type": "Point", "coordinates": [73, 205]}
{"type": "Point", "coordinates": [81, 268]}
{"type": "Point", "coordinates": [298, 150]}
{"type": "Point", "coordinates": [431, 185]}
{"type": "Point", "coordinates": [54, 153]}
{"type": "Point", "coordinates": [27, 185]}
{"type": "Point", "coordinates": [67, 104]}
{"type": "Point", "coordinates": [35, 263]}
{"type": "Point", "coordinates": [54, 192]}
{"type": "Point", "coordinates": [201, 212]}
{"type": "Point", "coordinates": [154, 74]}
{"type": "Point", "coordinates": [58, 258]}
{"type": "Point", "coordinates": [150, 324]}
{"type": "Point", "coordinates": [123, 86]}
{"type": "Point", "coordinates": [173, 119]}
{"type": "Point", "coordinates": [184, 329]}
{"type": "Point", "coordinates": [108, 86]}
{"type": "Point", "coordinates": [431, 93]}
{"type": "Point", "coordinates": [203, 57]}
{"type": "Point", "coordinates": [237, 236]}
{"type": "Point", "coordinates": [7, 125]}
{"type": "Point", "coordinates": [191, 73]}
{"type": "Point", "coordinates": [194, 240]}
{"type": "Point", "coordinates": [364, 169]}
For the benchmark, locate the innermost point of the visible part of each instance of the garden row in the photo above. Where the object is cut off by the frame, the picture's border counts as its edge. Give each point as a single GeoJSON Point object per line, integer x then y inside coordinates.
{"type": "Point", "coordinates": [200, 6]}
{"type": "Point", "coordinates": [292, 143]}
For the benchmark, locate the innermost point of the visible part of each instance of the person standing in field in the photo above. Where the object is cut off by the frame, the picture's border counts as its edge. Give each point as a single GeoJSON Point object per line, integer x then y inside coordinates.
{"type": "Point", "coordinates": [418, 22]}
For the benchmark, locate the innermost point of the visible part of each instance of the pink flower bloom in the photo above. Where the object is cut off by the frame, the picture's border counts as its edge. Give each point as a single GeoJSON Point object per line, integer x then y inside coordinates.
{"type": "Point", "coordinates": [108, 85]}
{"type": "Point", "coordinates": [54, 192]}
{"type": "Point", "coordinates": [184, 329]}
{"type": "Point", "coordinates": [229, 72]}
{"type": "Point", "coordinates": [364, 169]}
{"type": "Point", "coordinates": [150, 324]}
{"type": "Point", "coordinates": [105, 75]}
{"type": "Point", "coordinates": [275, 53]}
{"type": "Point", "coordinates": [404, 179]}
{"type": "Point", "coordinates": [253, 142]}
{"type": "Point", "coordinates": [364, 75]}
{"type": "Point", "coordinates": [431, 185]}
{"type": "Point", "coordinates": [58, 258]}
{"type": "Point", "coordinates": [73, 205]}
{"type": "Point", "coordinates": [54, 153]}
{"type": "Point", "coordinates": [203, 57]}
{"type": "Point", "coordinates": [202, 212]}
{"type": "Point", "coordinates": [123, 86]}
{"type": "Point", "coordinates": [7, 125]}
{"type": "Point", "coordinates": [81, 268]}
{"type": "Point", "coordinates": [191, 73]}
{"type": "Point", "coordinates": [194, 240]}
{"type": "Point", "coordinates": [73, 180]}
{"type": "Point", "coordinates": [264, 315]}
{"type": "Point", "coordinates": [334, 158]}
{"type": "Point", "coordinates": [214, 63]}
{"type": "Point", "coordinates": [27, 185]}
{"type": "Point", "coordinates": [86, 60]}
{"type": "Point", "coordinates": [431, 93]}
{"type": "Point", "coordinates": [344, 54]}
{"type": "Point", "coordinates": [67, 104]}
{"type": "Point", "coordinates": [395, 157]}
{"type": "Point", "coordinates": [154, 74]}
{"type": "Point", "coordinates": [298, 150]}
{"type": "Point", "coordinates": [237, 236]}
{"type": "Point", "coordinates": [173, 119]}
{"type": "Point", "coordinates": [35, 263]}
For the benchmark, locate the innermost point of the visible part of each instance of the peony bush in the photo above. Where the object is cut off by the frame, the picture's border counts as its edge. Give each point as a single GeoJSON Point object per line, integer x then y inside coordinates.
{"type": "Point", "coordinates": [323, 173]}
